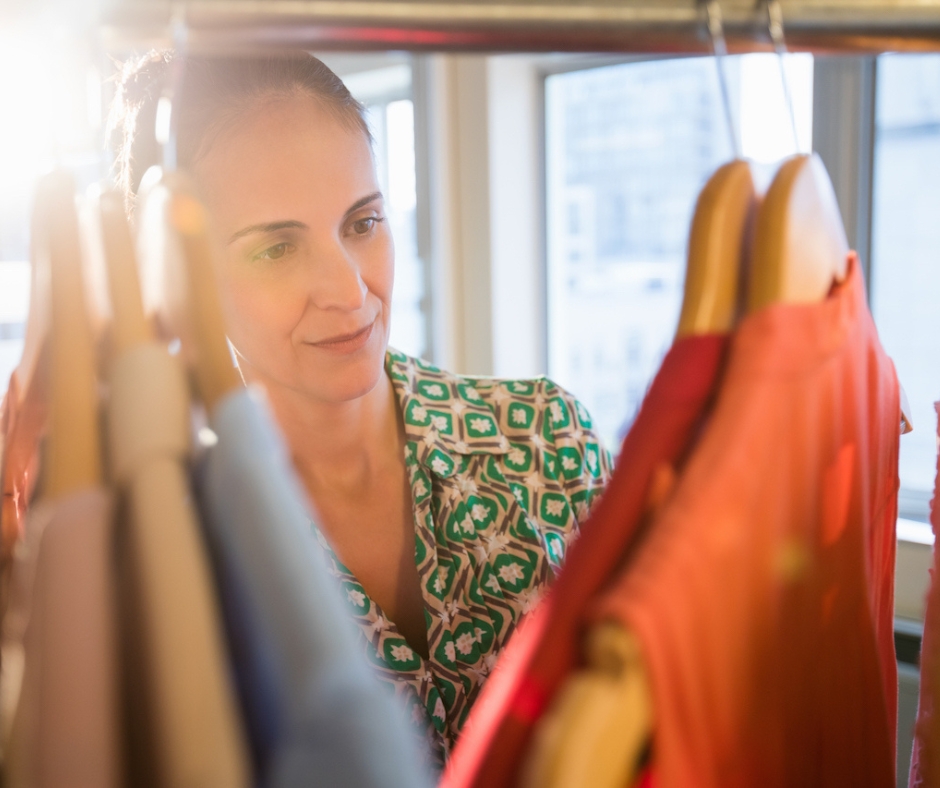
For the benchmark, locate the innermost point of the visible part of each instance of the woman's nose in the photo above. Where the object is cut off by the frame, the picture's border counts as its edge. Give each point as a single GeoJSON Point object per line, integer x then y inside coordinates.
{"type": "Point", "coordinates": [335, 281]}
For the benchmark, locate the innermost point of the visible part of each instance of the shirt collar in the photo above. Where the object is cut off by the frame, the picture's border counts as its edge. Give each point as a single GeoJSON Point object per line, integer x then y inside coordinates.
{"type": "Point", "coordinates": [442, 411]}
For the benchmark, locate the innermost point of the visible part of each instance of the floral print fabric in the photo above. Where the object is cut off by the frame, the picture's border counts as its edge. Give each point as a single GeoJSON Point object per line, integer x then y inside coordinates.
{"type": "Point", "coordinates": [502, 472]}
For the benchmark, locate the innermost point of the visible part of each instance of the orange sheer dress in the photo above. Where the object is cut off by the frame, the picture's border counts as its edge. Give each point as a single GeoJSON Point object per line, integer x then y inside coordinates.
{"type": "Point", "coordinates": [763, 595]}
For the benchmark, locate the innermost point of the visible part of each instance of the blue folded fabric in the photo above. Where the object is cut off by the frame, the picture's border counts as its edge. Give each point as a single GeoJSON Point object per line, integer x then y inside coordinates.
{"type": "Point", "coordinates": [315, 713]}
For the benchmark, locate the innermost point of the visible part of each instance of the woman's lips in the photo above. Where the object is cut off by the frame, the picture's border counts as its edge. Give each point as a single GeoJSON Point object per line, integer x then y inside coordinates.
{"type": "Point", "coordinates": [348, 343]}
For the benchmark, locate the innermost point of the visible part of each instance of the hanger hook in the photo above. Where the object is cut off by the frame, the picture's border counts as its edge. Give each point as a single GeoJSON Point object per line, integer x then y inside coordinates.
{"type": "Point", "coordinates": [167, 120]}
{"type": "Point", "coordinates": [716, 33]}
{"type": "Point", "coordinates": [775, 26]}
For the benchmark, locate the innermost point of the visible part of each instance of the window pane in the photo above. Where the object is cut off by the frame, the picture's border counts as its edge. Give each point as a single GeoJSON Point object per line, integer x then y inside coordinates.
{"type": "Point", "coordinates": [629, 147]}
{"type": "Point", "coordinates": [905, 286]}
{"type": "Point", "coordinates": [14, 304]}
{"type": "Point", "coordinates": [391, 120]}
{"type": "Point", "coordinates": [51, 103]}
{"type": "Point", "coordinates": [408, 318]}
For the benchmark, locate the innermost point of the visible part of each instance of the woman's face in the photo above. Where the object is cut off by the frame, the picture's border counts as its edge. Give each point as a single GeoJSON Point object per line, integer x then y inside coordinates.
{"type": "Point", "coordinates": [308, 261]}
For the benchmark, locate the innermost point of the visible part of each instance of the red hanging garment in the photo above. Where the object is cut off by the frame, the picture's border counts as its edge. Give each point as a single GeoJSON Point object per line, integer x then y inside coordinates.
{"type": "Point", "coordinates": [22, 423]}
{"type": "Point", "coordinates": [762, 596]}
{"type": "Point", "coordinates": [925, 760]}
{"type": "Point", "coordinates": [546, 648]}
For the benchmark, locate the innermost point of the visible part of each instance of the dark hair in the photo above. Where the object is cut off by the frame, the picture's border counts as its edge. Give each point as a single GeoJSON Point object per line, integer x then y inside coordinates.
{"type": "Point", "coordinates": [213, 93]}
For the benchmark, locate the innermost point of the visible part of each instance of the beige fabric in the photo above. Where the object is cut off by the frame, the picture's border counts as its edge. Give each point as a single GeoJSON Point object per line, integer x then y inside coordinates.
{"type": "Point", "coordinates": [177, 659]}
{"type": "Point", "coordinates": [147, 380]}
{"type": "Point", "coordinates": [66, 730]}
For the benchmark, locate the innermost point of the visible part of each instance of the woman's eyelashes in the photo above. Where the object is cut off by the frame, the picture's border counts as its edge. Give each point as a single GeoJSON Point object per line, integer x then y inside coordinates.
{"type": "Point", "coordinates": [365, 226]}
{"type": "Point", "coordinates": [360, 228]}
{"type": "Point", "coordinates": [275, 252]}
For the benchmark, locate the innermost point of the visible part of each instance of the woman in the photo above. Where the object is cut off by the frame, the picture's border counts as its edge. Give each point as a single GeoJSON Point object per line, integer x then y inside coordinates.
{"type": "Point", "coordinates": [444, 503]}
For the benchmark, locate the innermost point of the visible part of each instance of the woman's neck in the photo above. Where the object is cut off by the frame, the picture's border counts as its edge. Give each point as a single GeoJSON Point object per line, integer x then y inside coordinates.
{"type": "Point", "coordinates": [341, 445]}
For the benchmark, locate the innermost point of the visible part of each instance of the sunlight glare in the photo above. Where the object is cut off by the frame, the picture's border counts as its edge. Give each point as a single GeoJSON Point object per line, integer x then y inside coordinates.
{"type": "Point", "coordinates": [43, 112]}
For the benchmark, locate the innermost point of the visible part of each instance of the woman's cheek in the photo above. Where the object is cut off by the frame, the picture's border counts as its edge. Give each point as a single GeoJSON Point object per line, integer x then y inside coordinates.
{"type": "Point", "coordinates": [379, 268]}
{"type": "Point", "coordinates": [259, 316]}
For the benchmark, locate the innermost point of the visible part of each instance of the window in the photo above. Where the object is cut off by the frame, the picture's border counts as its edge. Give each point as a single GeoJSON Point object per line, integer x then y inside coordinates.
{"type": "Point", "coordinates": [14, 302]}
{"type": "Point", "coordinates": [386, 92]}
{"type": "Point", "coordinates": [905, 275]}
{"type": "Point", "coordinates": [628, 148]}
{"type": "Point", "coordinates": [51, 102]}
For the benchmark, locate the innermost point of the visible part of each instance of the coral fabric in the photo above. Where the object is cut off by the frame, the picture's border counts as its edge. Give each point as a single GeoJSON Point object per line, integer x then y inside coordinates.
{"type": "Point", "coordinates": [762, 595]}
{"type": "Point", "coordinates": [545, 649]}
{"type": "Point", "coordinates": [645, 780]}
{"type": "Point", "coordinates": [925, 761]}
{"type": "Point", "coordinates": [22, 419]}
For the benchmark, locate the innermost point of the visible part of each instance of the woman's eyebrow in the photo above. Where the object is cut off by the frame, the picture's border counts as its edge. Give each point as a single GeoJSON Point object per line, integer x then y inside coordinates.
{"type": "Point", "coordinates": [268, 227]}
{"type": "Point", "coordinates": [363, 202]}
{"type": "Point", "coordinates": [291, 224]}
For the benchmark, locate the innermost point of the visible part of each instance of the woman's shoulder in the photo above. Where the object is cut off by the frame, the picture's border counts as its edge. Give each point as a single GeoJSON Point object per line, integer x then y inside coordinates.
{"type": "Point", "coordinates": [544, 438]}
{"type": "Point", "coordinates": [523, 406]}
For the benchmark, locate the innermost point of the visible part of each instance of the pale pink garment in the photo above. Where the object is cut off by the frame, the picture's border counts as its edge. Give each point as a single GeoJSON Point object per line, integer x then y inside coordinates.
{"type": "Point", "coordinates": [66, 731]}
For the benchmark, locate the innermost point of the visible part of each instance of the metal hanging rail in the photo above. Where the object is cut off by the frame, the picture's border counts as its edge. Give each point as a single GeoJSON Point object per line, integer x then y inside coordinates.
{"type": "Point", "coordinates": [667, 26]}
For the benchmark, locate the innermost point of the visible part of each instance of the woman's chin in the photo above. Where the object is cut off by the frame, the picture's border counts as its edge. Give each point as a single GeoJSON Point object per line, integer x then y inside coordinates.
{"type": "Point", "coordinates": [325, 377]}
{"type": "Point", "coordinates": [345, 393]}
{"type": "Point", "coordinates": [354, 381]}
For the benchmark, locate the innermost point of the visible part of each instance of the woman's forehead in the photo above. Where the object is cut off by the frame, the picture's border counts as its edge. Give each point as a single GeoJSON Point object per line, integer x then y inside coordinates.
{"type": "Point", "coordinates": [286, 154]}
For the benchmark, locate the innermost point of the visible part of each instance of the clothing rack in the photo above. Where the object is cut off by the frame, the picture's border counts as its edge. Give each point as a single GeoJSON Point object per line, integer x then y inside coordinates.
{"type": "Point", "coordinates": [859, 26]}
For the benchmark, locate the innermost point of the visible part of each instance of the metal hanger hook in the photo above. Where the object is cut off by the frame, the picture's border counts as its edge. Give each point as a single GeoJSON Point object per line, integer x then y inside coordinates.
{"type": "Point", "coordinates": [716, 33]}
{"type": "Point", "coordinates": [775, 27]}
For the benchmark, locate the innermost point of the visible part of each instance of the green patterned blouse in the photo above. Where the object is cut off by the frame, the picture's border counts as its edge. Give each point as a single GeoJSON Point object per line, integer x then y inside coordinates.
{"type": "Point", "coordinates": [502, 472]}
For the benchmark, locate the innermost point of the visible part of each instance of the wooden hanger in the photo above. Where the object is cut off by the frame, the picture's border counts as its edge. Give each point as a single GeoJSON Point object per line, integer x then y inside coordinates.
{"type": "Point", "coordinates": [597, 728]}
{"type": "Point", "coordinates": [800, 248]}
{"type": "Point", "coordinates": [599, 725]}
{"type": "Point", "coordinates": [129, 326]}
{"type": "Point", "coordinates": [800, 244]}
{"type": "Point", "coordinates": [72, 458]}
{"type": "Point", "coordinates": [180, 283]}
{"type": "Point", "coordinates": [719, 251]}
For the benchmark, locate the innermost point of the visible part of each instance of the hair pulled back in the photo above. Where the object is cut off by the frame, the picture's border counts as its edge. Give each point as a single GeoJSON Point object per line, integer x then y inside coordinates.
{"type": "Point", "coordinates": [214, 93]}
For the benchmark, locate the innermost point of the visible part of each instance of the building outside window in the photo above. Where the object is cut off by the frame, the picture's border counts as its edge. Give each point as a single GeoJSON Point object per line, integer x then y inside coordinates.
{"type": "Point", "coordinates": [905, 269]}
{"type": "Point", "coordinates": [628, 148]}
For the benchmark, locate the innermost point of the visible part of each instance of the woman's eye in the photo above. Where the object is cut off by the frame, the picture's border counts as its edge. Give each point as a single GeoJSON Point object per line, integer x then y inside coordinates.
{"type": "Point", "coordinates": [365, 226]}
{"type": "Point", "coordinates": [275, 252]}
